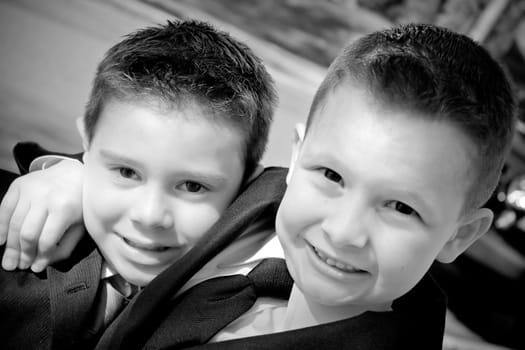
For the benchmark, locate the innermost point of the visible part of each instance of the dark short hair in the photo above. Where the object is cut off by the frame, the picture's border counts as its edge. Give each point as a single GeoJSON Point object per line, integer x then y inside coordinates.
{"type": "Point", "coordinates": [442, 75]}
{"type": "Point", "coordinates": [183, 62]}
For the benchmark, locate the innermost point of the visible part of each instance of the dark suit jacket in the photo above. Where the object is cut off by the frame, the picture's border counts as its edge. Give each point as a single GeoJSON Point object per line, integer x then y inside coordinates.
{"type": "Point", "coordinates": [416, 322]}
{"type": "Point", "coordinates": [53, 309]}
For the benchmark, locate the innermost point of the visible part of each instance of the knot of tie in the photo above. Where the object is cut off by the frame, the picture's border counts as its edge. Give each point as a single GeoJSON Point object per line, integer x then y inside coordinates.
{"type": "Point", "coordinates": [270, 278]}
{"type": "Point", "coordinates": [123, 287]}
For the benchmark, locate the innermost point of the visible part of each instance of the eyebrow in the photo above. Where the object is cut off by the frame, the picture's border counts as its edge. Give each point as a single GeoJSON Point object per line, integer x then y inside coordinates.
{"type": "Point", "coordinates": [209, 178]}
{"type": "Point", "coordinates": [115, 157]}
{"type": "Point", "coordinates": [197, 176]}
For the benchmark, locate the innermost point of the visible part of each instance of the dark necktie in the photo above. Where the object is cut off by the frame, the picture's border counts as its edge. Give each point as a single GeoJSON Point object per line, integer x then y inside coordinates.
{"type": "Point", "coordinates": [114, 294]}
{"type": "Point", "coordinates": [119, 294]}
{"type": "Point", "coordinates": [203, 310]}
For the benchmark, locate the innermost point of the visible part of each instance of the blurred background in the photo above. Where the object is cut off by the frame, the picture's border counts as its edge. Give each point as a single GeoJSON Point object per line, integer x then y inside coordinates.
{"type": "Point", "coordinates": [49, 50]}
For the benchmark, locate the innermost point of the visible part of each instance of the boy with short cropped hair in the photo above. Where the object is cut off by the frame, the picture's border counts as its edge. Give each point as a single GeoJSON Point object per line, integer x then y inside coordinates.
{"type": "Point", "coordinates": [404, 143]}
{"type": "Point", "coordinates": [176, 123]}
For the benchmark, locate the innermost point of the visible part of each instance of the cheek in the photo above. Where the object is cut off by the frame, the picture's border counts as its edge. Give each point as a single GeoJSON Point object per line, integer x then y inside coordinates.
{"type": "Point", "coordinates": [299, 207]}
{"type": "Point", "coordinates": [101, 206]}
{"type": "Point", "coordinates": [291, 219]}
{"type": "Point", "coordinates": [286, 221]}
{"type": "Point", "coordinates": [194, 221]}
{"type": "Point", "coordinates": [404, 259]}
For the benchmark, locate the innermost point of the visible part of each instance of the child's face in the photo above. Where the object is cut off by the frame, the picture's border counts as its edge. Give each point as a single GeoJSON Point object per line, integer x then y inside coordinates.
{"type": "Point", "coordinates": [155, 183]}
{"type": "Point", "coordinates": [373, 197]}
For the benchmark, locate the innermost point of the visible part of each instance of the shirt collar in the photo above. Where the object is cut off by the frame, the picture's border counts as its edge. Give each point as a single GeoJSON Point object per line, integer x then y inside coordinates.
{"type": "Point", "coordinates": [107, 271]}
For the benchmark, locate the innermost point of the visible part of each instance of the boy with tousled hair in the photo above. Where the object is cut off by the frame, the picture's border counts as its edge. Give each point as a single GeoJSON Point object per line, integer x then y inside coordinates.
{"type": "Point", "coordinates": [176, 124]}
{"type": "Point", "coordinates": [404, 144]}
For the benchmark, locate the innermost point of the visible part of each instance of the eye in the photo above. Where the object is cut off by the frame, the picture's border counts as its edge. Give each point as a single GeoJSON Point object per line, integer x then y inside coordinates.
{"type": "Point", "coordinates": [332, 175]}
{"type": "Point", "coordinates": [193, 187]}
{"type": "Point", "coordinates": [402, 208]}
{"type": "Point", "coordinates": [128, 173]}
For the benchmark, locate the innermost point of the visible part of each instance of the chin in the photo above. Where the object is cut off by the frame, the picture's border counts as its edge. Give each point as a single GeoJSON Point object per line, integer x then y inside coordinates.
{"type": "Point", "coordinates": [138, 279]}
{"type": "Point", "coordinates": [137, 276]}
{"type": "Point", "coordinates": [332, 300]}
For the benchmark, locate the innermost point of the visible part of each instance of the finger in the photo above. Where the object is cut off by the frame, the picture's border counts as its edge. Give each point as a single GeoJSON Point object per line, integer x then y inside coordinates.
{"type": "Point", "coordinates": [40, 264]}
{"type": "Point", "coordinates": [57, 222]}
{"type": "Point", "coordinates": [30, 234]}
{"type": "Point", "coordinates": [7, 208]}
{"type": "Point", "coordinates": [12, 247]}
{"type": "Point", "coordinates": [62, 251]}
{"type": "Point", "coordinates": [69, 242]}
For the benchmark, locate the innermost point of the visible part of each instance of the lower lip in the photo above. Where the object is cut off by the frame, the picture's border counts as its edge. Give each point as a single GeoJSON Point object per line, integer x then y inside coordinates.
{"type": "Point", "coordinates": [149, 256]}
{"type": "Point", "coordinates": [332, 271]}
{"type": "Point", "coordinates": [138, 246]}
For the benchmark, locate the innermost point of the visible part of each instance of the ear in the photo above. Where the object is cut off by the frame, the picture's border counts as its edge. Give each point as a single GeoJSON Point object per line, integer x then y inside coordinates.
{"type": "Point", "coordinates": [82, 132]}
{"type": "Point", "coordinates": [298, 137]}
{"type": "Point", "coordinates": [473, 227]}
{"type": "Point", "coordinates": [85, 142]}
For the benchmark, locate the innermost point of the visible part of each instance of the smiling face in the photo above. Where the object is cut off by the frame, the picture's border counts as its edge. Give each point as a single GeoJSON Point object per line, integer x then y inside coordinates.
{"type": "Point", "coordinates": [374, 196]}
{"type": "Point", "coordinates": [155, 182]}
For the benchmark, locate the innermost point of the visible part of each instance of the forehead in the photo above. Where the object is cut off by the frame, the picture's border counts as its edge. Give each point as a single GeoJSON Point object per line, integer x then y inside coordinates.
{"type": "Point", "coordinates": [143, 129]}
{"type": "Point", "coordinates": [349, 104]}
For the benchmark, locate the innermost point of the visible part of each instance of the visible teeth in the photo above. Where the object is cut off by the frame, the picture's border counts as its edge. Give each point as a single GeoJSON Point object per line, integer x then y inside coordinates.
{"type": "Point", "coordinates": [335, 263]}
{"type": "Point", "coordinates": [145, 246]}
{"type": "Point", "coordinates": [340, 265]}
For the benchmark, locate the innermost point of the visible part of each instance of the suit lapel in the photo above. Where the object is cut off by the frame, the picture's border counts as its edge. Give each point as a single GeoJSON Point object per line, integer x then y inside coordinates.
{"type": "Point", "coordinates": [72, 293]}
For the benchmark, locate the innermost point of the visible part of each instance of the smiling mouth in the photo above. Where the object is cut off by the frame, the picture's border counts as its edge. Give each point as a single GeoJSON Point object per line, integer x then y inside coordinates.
{"type": "Point", "coordinates": [336, 264]}
{"type": "Point", "coordinates": [147, 247]}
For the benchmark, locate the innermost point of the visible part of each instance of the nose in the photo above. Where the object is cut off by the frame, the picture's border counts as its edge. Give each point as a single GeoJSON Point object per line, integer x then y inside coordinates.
{"type": "Point", "coordinates": [151, 209]}
{"type": "Point", "coordinates": [345, 222]}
